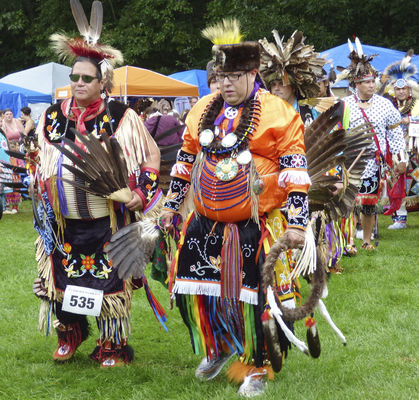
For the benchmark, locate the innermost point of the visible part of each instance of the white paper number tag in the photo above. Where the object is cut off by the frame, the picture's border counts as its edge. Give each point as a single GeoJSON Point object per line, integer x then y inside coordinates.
{"type": "Point", "coordinates": [82, 300]}
{"type": "Point", "coordinates": [414, 127]}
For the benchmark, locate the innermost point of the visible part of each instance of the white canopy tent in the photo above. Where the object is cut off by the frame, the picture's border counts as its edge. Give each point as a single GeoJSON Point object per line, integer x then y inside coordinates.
{"type": "Point", "coordinates": [45, 78]}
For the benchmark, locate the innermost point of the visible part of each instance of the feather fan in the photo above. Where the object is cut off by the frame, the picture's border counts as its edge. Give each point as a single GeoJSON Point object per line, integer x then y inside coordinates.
{"type": "Point", "coordinates": [320, 104]}
{"type": "Point", "coordinates": [102, 169]}
{"type": "Point", "coordinates": [131, 248]}
{"type": "Point", "coordinates": [14, 168]}
{"type": "Point", "coordinates": [324, 150]}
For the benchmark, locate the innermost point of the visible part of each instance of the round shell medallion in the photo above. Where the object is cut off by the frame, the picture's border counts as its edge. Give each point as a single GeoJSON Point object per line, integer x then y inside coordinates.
{"type": "Point", "coordinates": [244, 157]}
{"type": "Point", "coordinates": [229, 140]}
{"type": "Point", "coordinates": [206, 137]}
{"type": "Point", "coordinates": [226, 169]}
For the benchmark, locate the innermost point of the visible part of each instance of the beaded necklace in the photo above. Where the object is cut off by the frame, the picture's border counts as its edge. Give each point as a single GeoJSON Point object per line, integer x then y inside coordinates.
{"type": "Point", "coordinates": [233, 183]}
{"type": "Point", "coordinates": [249, 120]}
{"type": "Point", "coordinates": [405, 106]}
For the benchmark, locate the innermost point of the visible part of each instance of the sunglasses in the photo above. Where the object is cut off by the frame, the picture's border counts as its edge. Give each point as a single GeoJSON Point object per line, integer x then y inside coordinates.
{"type": "Point", "coordinates": [84, 78]}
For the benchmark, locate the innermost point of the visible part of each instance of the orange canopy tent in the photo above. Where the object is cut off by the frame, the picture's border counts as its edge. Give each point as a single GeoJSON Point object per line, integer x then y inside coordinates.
{"type": "Point", "coordinates": [133, 81]}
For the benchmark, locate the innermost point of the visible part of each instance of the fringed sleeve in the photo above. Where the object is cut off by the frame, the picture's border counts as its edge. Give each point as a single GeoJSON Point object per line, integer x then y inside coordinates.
{"type": "Point", "coordinates": [134, 139]}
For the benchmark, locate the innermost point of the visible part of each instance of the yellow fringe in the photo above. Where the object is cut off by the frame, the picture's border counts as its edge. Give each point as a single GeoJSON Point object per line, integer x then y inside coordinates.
{"type": "Point", "coordinates": [127, 217]}
{"type": "Point", "coordinates": [238, 371]}
{"type": "Point", "coordinates": [112, 217]}
{"type": "Point", "coordinates": [115, 314]}
{"type": "Point", "coordinates": [56, 207]}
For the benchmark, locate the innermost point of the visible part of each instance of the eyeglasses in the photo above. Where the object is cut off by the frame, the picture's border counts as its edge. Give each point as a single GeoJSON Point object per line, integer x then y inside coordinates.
{"type": "Point", "coordinates": [84, 78]}
{"type": "Point", "coordinates": [230, 77]}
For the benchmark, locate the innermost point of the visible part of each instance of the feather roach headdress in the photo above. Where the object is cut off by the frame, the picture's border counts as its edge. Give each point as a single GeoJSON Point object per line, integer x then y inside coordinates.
{"type": "Point", "coordinates": [399, 73]}
{"type": "Point", "coordinates": [360, 68]}
{"type": "Point", "coordinates": [292, 63]}
{"type": "Point", "coordinates": [230, 53]}
{"type": "Point", "coordinates": [87, 45]}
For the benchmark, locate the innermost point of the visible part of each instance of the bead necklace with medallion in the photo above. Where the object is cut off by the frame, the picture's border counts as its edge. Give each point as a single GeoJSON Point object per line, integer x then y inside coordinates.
{"type": "Point", "coordinates": [233, 147]}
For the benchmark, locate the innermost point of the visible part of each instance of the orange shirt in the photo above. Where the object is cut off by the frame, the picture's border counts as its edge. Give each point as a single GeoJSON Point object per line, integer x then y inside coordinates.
{"type": "Point", "coordinates": [280, 132]}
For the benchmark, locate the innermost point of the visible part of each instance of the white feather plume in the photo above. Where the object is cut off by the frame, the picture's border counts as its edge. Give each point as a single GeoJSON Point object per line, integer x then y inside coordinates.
{"type": "Point", "coordinates": [351, 47]}
{"type": "Point", "coordinates": [359, 47]}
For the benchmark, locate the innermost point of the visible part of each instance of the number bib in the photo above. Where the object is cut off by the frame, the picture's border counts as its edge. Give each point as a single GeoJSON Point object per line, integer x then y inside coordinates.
{"type": "Point", "coordinates": [82, 300]}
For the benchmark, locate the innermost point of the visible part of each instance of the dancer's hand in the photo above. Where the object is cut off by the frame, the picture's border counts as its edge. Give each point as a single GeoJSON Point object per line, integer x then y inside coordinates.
{"type": "Point", "coordinates": [135, 204]}
{"type": "Point", "coordinates": [166, 218]}
{"type": "Point", "coordinates": [295, 238]}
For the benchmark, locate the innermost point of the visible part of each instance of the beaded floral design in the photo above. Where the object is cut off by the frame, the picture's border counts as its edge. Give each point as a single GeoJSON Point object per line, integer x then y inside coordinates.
{"type": "Point", "coordinates": [297, 206]}
{"type": "Point", "coordinates": [293, 161]}
{"type": "Point", "coordinates": [100, 128]}
{"type": "Point", "coordinates": [79, 265]}
{"type": "Point", "coordinates": [52, 125]}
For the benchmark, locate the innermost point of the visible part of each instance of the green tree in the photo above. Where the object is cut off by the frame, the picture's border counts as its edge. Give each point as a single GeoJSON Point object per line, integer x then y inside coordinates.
{"type": "Point", "coordinates": [165, 35]}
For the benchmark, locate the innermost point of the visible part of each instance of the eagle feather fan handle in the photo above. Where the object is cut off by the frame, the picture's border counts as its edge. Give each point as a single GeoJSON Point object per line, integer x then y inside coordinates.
{"type": "Point", "coordinates": [102, 169]}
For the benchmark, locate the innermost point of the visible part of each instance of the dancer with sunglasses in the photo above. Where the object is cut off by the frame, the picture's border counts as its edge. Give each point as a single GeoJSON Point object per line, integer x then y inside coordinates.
{"type": "Point", "coordinates": [70, 248]}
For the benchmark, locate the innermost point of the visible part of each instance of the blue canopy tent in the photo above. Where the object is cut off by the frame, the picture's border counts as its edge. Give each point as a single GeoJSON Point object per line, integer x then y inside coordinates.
{"type": "Point", "coordinates": [15, 97]}
{"type": "Point", "coordinates": [195, 77]}
{"type": "Point", "coordinates": [14, 101]}
{"type": "Point", "coordinates": [338, 56]}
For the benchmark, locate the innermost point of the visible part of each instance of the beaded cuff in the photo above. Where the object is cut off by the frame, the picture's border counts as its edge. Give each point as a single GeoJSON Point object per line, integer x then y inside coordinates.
{"type": "Point", "coordinates": [148, 183]}
{"type": "Point", "coordinates": [182, 168]}
{"type": "Point", "coordinates": [293, 161]}
{"type": "Point", "coordinates": [185, 157]}
{"type": "Point", "coordinates": [177, 193]}
{"type": "Point", "coordinates": [297, 206]}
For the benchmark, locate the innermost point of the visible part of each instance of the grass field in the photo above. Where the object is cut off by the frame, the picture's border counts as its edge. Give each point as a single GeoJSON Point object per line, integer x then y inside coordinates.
{"type": "Point", "coordinates": [375, 302]}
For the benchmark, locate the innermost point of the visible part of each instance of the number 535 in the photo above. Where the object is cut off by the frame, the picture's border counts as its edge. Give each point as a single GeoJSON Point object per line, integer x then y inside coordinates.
{"type": "Point", "coordinates": [81, 302]}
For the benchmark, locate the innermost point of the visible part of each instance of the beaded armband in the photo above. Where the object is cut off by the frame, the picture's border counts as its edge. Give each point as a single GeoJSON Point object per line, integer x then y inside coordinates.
{"type": "Point", "coordinates": [297, 206]}
{"type": "Point", "coordinates": [148, 182]}
{"type": "Point", "coordinates": [182, 168]}
{"type": "Point", "coordinates": [293, 161]}
{"type": "Point", "coordinates": [293, 169]}
{"type": "Point", "coordinates": [177, 193]}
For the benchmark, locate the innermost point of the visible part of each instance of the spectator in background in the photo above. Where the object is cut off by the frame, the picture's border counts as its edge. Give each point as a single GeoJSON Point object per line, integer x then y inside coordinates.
{"type": "Point", "coordinates": [183, 116]}
{"type": "Point", "coordinates": [174, 113]}
{"type": "Point", "coordinates": [141, 105]}
{"type": "Point", "coordinates": [213, 84]}
{"type": "Point", "coordinates": [193, 100]}
{"type": "Point", "coordinates": [12, 129]}
{"type": "Point", "coordinates": [165, 129]}
{"type": "Point", "coordinates": [5, 173]}
{"type": "Point", "coordinates": [28, 122]}
{"type": "Point", "coordinates": [164, 106]}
